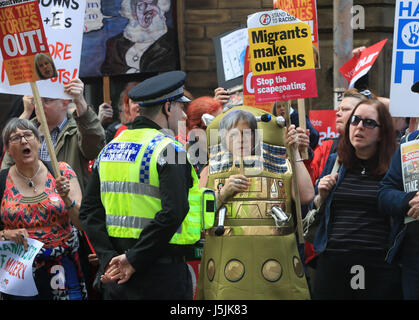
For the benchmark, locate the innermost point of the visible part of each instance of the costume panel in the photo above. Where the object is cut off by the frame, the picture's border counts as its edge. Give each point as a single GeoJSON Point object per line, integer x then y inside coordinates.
{"type": "Point", "coordinates": [256, 257]}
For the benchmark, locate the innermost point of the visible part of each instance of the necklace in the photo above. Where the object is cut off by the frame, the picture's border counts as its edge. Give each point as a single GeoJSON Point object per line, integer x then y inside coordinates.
{"type": "Point", "coordinates": [30, 180]}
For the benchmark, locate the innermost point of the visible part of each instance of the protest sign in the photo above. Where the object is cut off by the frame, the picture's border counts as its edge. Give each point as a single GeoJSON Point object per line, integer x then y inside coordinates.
{"type": "Point", "coordinates": [306, 11]}
{"type": "Point", "coordinates": [16, 277]}
{"type": "Point", "coordinates": [230, 49]}
{"type": "Point", "coordinates": [248, 87]}
{"type": "Point", "coordinates": [356, 68]}
{"type": "Point", "coordinates": [405, 65]}
{"type": "Point", "coordinates": [23, 43]}
{"type": "Point", "coordinates": [409, 152]}
{"type": "Point", "coordinates": [63, 26]}
{"type": "Point", "coordinates": [324, 121]}
{"type": "Point", "coordinates": [281, 57]}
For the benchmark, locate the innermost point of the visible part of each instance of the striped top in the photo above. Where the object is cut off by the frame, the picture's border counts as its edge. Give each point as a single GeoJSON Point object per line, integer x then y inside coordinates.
{"type": "Point", "coordinates": [356, 224]}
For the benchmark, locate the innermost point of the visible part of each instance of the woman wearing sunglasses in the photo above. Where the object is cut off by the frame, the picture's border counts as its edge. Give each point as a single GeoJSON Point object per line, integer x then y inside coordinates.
{"type": "Point", "coordinates": [353, 236]}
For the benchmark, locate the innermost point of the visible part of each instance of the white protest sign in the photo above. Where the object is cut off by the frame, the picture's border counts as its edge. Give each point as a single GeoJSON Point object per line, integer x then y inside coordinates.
{"type": "Point", "coordinates": [16, 276]}
{"type": "Point", "coordinates": [233, 48]}
{"type": "Point", "coordinates": [405, 66]}
{"type": "Point", "coordinates": [63, 25]}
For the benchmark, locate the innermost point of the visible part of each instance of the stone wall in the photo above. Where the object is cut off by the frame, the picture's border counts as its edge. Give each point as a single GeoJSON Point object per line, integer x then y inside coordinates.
{"type": "Point", "coordinates": [204, 19]}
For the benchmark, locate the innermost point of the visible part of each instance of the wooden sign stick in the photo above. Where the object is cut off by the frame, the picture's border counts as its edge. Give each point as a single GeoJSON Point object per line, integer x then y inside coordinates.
{"type": "Point", "coordinates": [297, 200]}
{"type": "Point", "coordinates": [45, 130]}
{"type": "Point", "coordinates": [302, 122]}
{"type": "Point", "coordinates": [106, 90]}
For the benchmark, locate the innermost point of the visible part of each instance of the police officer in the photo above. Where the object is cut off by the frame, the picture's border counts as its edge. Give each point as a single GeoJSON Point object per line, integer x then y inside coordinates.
{"type": "Point", "coordinates": [135, 209]}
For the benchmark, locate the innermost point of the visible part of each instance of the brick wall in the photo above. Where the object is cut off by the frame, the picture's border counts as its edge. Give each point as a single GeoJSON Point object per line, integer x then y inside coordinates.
{"type": "Point", "coordinates": [204, 19]}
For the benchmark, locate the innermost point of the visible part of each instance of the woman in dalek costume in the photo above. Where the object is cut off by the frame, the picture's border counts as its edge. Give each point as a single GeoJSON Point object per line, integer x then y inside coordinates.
{"type": "Point", "coordinates": [251, 252]}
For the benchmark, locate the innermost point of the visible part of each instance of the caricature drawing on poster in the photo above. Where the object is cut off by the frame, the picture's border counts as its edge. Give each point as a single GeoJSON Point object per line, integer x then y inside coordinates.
{"type": "Point", "coordinates": [128, 36]}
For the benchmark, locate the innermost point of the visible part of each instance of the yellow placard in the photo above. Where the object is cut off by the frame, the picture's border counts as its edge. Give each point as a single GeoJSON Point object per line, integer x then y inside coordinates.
{"type": "Point", "coordinates": [281, 48]}
{"type": "Point", "coordinates": [409, 147]}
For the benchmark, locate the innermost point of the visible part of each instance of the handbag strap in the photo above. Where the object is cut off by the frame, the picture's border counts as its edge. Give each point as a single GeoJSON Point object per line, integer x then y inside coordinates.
{"type": "Point", "coordinates": [335, 166]}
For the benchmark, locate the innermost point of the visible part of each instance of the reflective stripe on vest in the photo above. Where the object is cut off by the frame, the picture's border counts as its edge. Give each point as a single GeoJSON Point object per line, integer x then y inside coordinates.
{"type": "Point", "coordinates": [130, 222]}
{"type": "Point", "coordinates": [130, 186]}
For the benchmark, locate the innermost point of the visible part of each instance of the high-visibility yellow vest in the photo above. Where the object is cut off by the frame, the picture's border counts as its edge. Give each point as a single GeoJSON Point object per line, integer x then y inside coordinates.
{"type": "Point", "coordinates": [129, 185]}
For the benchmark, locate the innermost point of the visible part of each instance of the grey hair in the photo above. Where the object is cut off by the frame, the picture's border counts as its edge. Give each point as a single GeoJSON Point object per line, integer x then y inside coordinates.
{"type": "Point", "coordinates": [231, 119]}
{"type": "Point", "coordinates": [14, 124]}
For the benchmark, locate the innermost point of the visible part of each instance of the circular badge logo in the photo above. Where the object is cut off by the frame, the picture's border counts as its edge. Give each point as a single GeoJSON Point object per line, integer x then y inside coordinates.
{"type": "Point", "coordinates": [265, 19]}
{"type": "Point", "coordinates": [410, 34]}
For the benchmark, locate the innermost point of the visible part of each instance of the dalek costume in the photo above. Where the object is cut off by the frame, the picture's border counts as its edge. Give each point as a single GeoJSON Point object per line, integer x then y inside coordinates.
{"type": "Point", "coordinates": [253, 254]}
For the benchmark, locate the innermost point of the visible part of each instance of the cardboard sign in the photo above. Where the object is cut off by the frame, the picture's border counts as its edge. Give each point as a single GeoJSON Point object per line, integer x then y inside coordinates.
{"type": "Point", "coordinates": [356, 68]}
{"type": "Point", "coordinates": [281, 56]}
{"type": "Point", "coordinates": [405, 66]}
{"type": "Point", "coordinates": [63, 25]}
{"type": "Point", "coordinates": [324, 121]}
{"type": "Point", "coordinates": [23, 42]}
{"type": "Point", "coordinates": [16, 277]}
{"type": "Point", "coordinates": [306, 11]}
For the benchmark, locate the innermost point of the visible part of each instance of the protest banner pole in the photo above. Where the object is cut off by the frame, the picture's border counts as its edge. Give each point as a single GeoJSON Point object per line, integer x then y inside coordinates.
{"type": "Point", "coordinates": [106, 90]}
{"type": "Point", "coordinates": [295, 183]}
{"type": "Point", "coordinates": [44, 126]}
{"type": "Point", "coordinates": [342, 45]}
{"type": "Point", "coordinates": [302, 123]}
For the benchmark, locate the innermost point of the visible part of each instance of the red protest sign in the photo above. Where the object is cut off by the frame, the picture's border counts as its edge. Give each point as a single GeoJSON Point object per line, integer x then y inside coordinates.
{"type": "Point", "coordinates": [355, 68]}
{"type": "Point", "coordinates": [23, 42]}
{"type": "Point", "coordinates": [285, 86]}
{"type": "Point", "coordinates": [249, 88]}
{"type": "Point", "coordinates": [324, 121]}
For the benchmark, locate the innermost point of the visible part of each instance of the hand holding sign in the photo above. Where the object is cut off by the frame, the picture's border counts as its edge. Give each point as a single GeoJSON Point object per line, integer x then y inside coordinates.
{"type": "Point", "coordinates": [18, 236]}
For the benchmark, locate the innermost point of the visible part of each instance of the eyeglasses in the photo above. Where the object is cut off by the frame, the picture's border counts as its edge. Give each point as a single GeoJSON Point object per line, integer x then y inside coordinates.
{"type": "Point", "coordinates": [366, 123]}
{"type": "Point", "coordinates": [17, 138]}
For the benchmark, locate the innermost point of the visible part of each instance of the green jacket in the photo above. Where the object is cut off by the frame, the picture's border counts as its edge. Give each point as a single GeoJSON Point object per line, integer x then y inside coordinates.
{"type": "Point", "coordinates": [79, 141]}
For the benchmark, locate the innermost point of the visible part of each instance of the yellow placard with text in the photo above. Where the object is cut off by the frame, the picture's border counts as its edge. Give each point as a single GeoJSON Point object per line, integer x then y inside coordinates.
{"type": "Point", "coordinates": [281, 48]}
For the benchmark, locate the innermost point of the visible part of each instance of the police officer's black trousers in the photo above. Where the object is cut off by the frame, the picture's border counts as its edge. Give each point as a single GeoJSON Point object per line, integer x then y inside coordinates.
{"type": "Point", "coordinates": [164, 281]}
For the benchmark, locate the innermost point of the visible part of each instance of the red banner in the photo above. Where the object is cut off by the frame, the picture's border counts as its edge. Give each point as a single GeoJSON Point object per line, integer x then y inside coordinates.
{"type": "Point", "coordinates": [324, 121]}
{"type": "Point", "coordinates": [355, 68]}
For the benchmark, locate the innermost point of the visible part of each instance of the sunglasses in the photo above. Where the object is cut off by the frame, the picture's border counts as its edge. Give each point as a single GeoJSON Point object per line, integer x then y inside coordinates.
{"type": "Point", "coordinates": [366, 123]}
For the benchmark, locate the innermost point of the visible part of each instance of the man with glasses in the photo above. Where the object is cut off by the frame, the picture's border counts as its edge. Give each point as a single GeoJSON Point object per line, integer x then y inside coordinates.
{"type": "Point", "coordinates": [77, 137]}
{"type": "Point", "coordinates": [403, 206]}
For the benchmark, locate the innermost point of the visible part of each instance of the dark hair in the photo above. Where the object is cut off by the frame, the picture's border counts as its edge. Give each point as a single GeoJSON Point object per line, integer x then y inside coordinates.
{"type": "Point", "coordinates": [124, 100]}
{"type": "Point", "coordinates": [385, 147]}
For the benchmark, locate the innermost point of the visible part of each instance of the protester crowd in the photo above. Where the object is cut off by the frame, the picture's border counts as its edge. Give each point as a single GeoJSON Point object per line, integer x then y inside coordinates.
{"type": "Point", "coordinates": [121, 230]}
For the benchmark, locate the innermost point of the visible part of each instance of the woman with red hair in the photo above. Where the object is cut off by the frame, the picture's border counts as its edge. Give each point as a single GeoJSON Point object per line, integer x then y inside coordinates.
{"type": "Point", "coordinates": [197, 108]}
{"type": "Point", "coordinates": [196, 127]}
